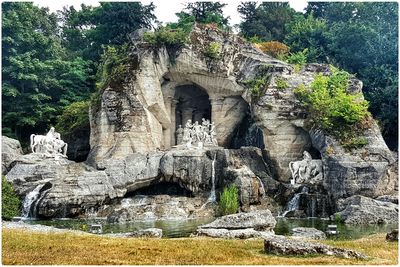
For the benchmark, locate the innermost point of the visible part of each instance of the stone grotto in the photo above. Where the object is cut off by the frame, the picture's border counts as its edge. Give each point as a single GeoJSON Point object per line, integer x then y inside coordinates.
{"type": "Point", "coordinates": [181, 126]}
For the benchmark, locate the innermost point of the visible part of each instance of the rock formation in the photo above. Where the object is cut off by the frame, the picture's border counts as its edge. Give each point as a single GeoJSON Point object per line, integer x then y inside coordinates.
{"type": "Point", "coordinates": [134, 124]}
{"type": "Point", "coordinates": [10, 150]}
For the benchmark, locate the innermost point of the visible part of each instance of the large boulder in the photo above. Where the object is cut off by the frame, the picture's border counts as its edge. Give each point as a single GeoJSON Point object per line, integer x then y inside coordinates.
{"type": "Point", "coordinates": [280, 245]}
{"type": "Point", "coordinates": [258, 220]}
{"type": "Point", "coordinates": [363, 210]}
{"type": "Point", "coordinates": [10, 150]}
{"type": "Point", "coordinates": [308, 233]}
{"type": "Point", "coordinates": [255, 224]}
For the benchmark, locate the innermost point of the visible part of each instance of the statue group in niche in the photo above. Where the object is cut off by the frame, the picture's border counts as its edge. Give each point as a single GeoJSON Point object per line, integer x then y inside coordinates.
{"type": "Point", "coordinates": [307, 170]}
{"type": "Point", "coordinates": [197, 135]}
{"type": "Point", "coordinates": [50, 144]}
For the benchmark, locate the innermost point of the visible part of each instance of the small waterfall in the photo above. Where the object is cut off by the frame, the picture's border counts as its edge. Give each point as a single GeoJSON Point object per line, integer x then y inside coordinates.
{"type": "Point", "coordinates": [30, 199]}
{"type": "Point", "coordinates": [213, 197]}
{"type": "Point", "coordinates": [262, 185]}
{"type": "Point", "coordinates": [293, 204]}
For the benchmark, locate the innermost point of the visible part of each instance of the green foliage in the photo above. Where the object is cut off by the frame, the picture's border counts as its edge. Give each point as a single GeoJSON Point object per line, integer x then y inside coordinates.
{"type": "Point", "coordinates": [114, 67]}
{"type": "Point", "coordinates": [10, 203]}
{"type": "Point", "coordinates": [267, 21]}
{"type": "Point", "coordinates": [298, 58]}
{"type": "Point", "coordinates": [213, 50]}
{"type": "Point", "coordinates": [281, 84]}
{"type": "Point", "coordinates": [257, 86]}
{"type": "Point", "coordinates": [207, 13]}
{"type": "Point", "coordinates": [308, 33]}
{"type": "Point", "coordinates": [167, 36]}
{"type": "Point", "coordinates": [73, 118]}
{"type": "Point", "coordinates": [335, 110]}
{"type": "Point", "coordinates": [229, 200]}
{"type": "Point", "coordinates": [39, 78]}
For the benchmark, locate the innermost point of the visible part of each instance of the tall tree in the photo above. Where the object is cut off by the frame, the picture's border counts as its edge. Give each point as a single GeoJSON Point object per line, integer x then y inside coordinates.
{"type": "Point", "coordinates": [205, 12]}
{"type": "Point", "coordinates": [38, 78]}
{"type": "Point", "coordinates": [267, 21]}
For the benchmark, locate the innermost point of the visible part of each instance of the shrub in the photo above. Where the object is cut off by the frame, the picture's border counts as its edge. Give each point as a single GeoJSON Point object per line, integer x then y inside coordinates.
{"type": "Point", "coordinates": [229, 200]}
{"type": "Point", "coordinates": [115, 65]}
{"type": "Point", "coordinates": [299, 58]}
{"type": "Point", "coordinates": [274, 49]}
{"type": "Point", "coordinates": [167, 36]}
{"type": "Point", "coordinates": [281, 84]}
{"type": "Point", "coordinates": [335, 110]}
{"type": "Point", "coordinates": [257, 85]}
{"type": "Point", "coordinates": [74, 117]}
{"type": "Point", "coordinates": [213, 50]}
{"type": "Point", "coordinates": [10, 203]}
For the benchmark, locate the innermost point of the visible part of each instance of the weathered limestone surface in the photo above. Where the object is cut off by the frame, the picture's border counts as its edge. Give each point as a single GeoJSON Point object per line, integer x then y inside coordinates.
{"type": "Point", "coordinates": [255, 224]}
{"type": "Point", "coordinates": [159, 207]}
{"type": "Point", "coordinates": [308, 233]}
{"type": "Point", "coordinates": [280, 245]}
{"type": "Point", "coordinates": [369, 171]}
{"type": "Point", "coordinates": [363, 210]}
{"type": "Point", "coordinates": [144, 233]}
{"type": "Point", "coordinates": [10, 150]}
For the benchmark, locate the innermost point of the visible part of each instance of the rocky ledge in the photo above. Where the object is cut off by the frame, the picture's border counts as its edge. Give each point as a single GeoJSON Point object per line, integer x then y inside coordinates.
{"type": "Point", "coordinates": [280, 245]}
{"type": "Point", "coordinates": [255, 224]}
{"type": "Point", "coordinates": [363, 210]}
{"type": "Point", "coordinates": [308, 233]}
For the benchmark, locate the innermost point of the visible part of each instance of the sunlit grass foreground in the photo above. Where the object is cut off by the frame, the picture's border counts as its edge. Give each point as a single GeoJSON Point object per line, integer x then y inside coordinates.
{"type": "Point", "coordinates": [25, 247]}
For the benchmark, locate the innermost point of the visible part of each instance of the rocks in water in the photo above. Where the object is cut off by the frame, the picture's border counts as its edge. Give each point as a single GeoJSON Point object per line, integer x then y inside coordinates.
{"type": "Point", "coordinates": [255, 224]}
{"type": "Point", "coordinates": [363, 210]}
{"type": "Point", "coordinates": [261, 220]}
{"type": "Point", "coordinates": [144, 233]}
{"type": "Point", "coordinates": [159, 207]}
{"type": "Point", "coordinates": [280, 245]}
{"type": "Point", "coordinates": [308, 233]}
{"type": "Point", "coordinates": [393, 235]}
{"type": "Point", "coordinates": [10, 150]}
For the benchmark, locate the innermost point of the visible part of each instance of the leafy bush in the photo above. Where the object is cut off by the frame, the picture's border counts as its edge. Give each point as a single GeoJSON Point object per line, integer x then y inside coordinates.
{"type": "Point", "coordinates": [274, 49]}
{"type": "Point", "coordinates": [335, 110]}
{"type": "Point", "coordinates": [10, 203]}
{"type": "Point", "coordinates": [229, 200]}
{"type": "Point", "coordinates": [167, 36]}
{"type": "Point", "coordinates": [114, 66]}
{"type": "Point", "coordinates": [257, 85]}
{"type": "Point", "coordinates": [299, 58]}
{"type": "Point", "coordinates": [74, 117]}
{"type": "Point", "coordinates": [213, 50]}
{"type": "Point", "coordinates": [281, 84]}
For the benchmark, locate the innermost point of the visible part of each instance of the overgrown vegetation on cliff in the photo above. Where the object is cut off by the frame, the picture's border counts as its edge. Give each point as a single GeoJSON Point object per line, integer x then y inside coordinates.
{"type": "Point", "coordinates": [359, 37]}
{"type": "Point", "coordinates": [335, 110]}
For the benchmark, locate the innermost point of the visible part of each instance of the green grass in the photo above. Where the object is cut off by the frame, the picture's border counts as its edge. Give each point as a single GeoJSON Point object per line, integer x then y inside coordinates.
{"type": "Point", "coordinates": [23, 247]}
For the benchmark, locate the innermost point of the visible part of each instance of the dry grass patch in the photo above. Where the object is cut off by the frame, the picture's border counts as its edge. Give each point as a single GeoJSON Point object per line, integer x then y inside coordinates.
{"type": "Point", "coordinates": [23, 247]}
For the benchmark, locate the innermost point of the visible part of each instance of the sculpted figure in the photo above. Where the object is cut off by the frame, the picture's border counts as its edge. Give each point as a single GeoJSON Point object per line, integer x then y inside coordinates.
{"type": "Point", "coordinates": [179, 135]}
{"type": "Point", "coordinates": [307, 170]}
{"type": "Point", "coordinates": [50, 144]}
{"type": "Point", "coordinates": [213, 134]}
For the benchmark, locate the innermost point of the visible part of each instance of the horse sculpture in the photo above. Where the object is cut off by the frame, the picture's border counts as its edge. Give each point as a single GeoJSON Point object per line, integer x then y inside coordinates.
{"type": "Point", "coordinates": [306, 170]}
{"type": "Point", "coordinates": [49, 144]}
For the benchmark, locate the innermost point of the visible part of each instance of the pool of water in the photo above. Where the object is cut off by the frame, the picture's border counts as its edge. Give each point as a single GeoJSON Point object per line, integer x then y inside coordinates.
{"type": "Point", "coordinates": [284, 226]}
{"type": "Point", "coordinates": [171, 228]}
{"type": "Point", "coordinates": [183, 228]}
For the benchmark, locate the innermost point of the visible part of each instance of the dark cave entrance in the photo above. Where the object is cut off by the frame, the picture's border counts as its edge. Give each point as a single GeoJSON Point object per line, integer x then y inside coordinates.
{"type": "Point", "coordinates": [163, 188]}
{"type": "Point", "coordinates": [192, 103]}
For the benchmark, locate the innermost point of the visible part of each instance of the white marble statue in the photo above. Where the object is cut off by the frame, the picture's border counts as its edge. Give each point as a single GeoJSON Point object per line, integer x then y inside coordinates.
{"type": "Point", "coordinates": [50, 144]}
{"type": "Point", "coordinates": [179, 135]}
{"type": "Point", "coordinates": [197, 135]}
{"type": "Point", "coordinates": [307, 170]}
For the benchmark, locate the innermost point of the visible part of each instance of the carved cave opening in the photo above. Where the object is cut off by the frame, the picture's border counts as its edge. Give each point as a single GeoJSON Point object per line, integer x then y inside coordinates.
{"type": "Point", "coordinates": [191, 103]}
{"type": "Point", "coordinates": [163, 188]}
